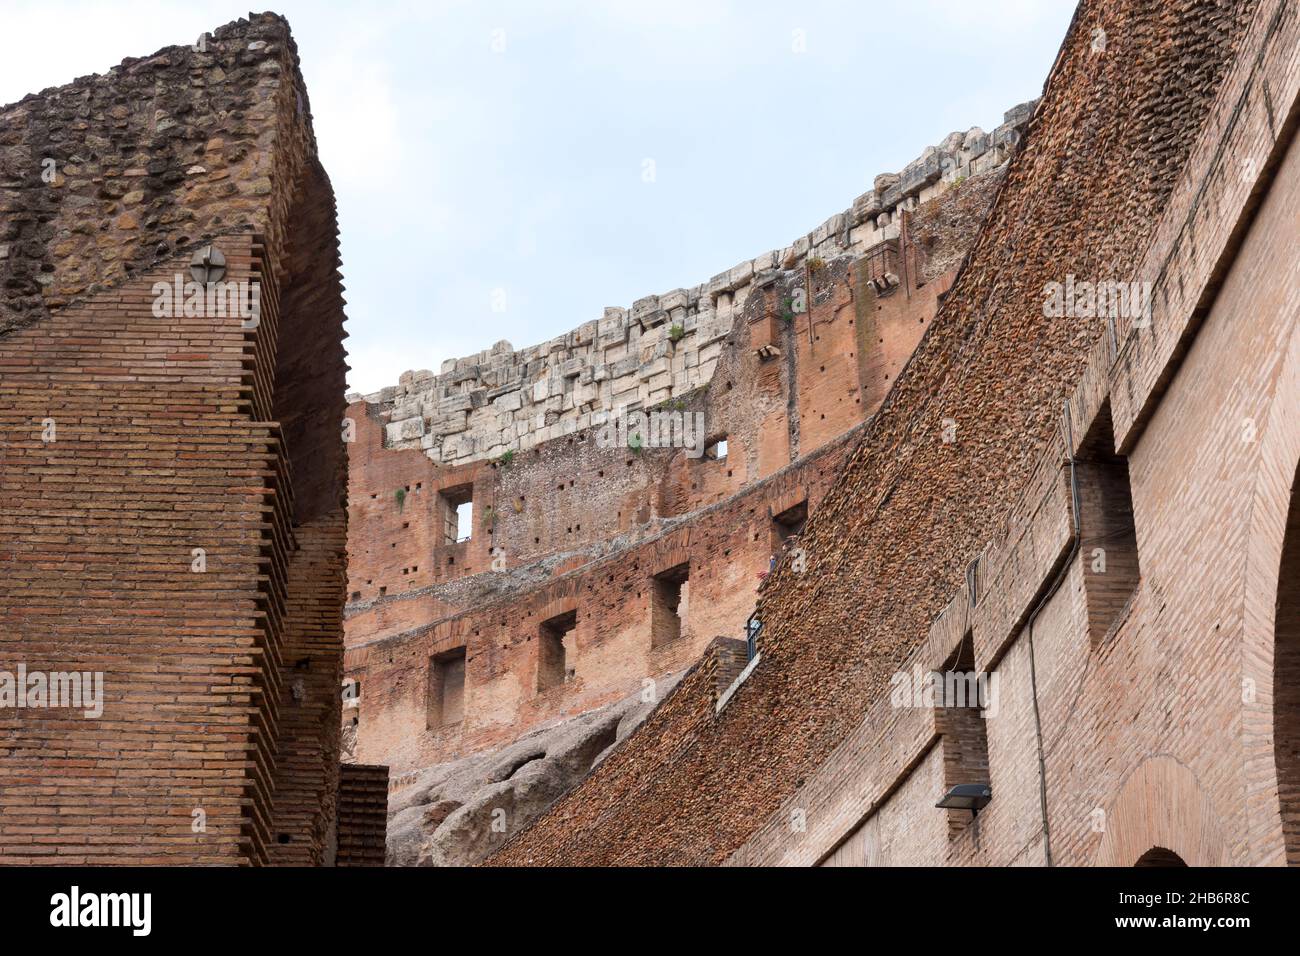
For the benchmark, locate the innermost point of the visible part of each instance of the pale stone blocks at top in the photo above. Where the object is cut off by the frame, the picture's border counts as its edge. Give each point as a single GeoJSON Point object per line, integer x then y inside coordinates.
{"type": "Point", "coordinates": [501, 396]}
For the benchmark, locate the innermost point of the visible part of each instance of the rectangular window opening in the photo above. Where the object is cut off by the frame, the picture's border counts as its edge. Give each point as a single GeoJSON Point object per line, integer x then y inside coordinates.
{"type": "Point", "coordinates": [959, 718]}
{"type": "Point", "coordinates": [1107, 532]}
{"type": "Point", "coordinates": [669, 595]}
{"type": "Point", "coordinates": [458, 513]}
{"type": "Point", "coordinates": [446, 688]}
{"type": "Point", "coordinates": [555, 649]}
{"type": "Point", "coordinates": [789, 524]}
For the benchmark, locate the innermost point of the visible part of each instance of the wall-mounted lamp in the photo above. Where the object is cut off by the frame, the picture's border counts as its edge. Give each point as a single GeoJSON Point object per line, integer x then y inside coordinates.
{"type": "Point", "coordinates": [967, 796]}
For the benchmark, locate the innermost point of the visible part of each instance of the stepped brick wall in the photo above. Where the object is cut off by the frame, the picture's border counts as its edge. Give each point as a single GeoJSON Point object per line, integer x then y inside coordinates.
{"type": "Point", "coordinates": [172, 479]}
{"type": "Point", "coordinates": [363, 814]}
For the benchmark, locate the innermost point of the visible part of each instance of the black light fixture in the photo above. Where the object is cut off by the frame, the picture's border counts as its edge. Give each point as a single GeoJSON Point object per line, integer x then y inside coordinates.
{"type": "Point", "coordinates": [967, 796]}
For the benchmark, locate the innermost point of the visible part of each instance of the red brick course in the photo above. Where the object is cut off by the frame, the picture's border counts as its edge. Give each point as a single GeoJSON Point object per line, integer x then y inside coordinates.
{"type": "Point", "coordinates": [219, 737]}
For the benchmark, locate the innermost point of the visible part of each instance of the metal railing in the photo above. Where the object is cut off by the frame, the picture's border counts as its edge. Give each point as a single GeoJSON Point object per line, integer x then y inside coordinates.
{"type": "Point", "coordinates": [752, 627]}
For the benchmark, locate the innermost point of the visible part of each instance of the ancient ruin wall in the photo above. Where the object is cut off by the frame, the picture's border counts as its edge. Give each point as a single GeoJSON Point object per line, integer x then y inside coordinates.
{"type": "Point", "coordinates": [173, 481]}
{"type": "Point", "coordinates": [786, 380]}
{"type": "Point", "coordinates": [1164, 705]}
{"type": "Point", "coordinates": [665, 345]}
{"type": "Point", "coordinates": [110, 176]}
{"type": "Point", "coordinates": [578, 525]}
{"type": "Point", "coordinates": [894, 537]}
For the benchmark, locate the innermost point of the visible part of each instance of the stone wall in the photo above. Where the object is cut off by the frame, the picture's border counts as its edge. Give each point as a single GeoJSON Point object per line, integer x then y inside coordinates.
{"type": "Point", "coordinates": [107, 177]}
{"type": "Point", "coordinates": [954, 459]}
{"type": "Point", "coordinates": [621, 536]}
{"type": "Point", "coordinates": [665, 345]}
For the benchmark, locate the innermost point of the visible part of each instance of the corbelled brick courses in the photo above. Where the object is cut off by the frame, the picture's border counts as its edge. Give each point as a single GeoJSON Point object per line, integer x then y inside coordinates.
{"type": "Point", "coordinates": [173, 509]}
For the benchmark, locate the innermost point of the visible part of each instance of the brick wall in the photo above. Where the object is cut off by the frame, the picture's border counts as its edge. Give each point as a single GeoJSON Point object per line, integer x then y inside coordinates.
{"type": "Point", "coordinates": [727, 548]}
{"type": "Point", "coordinates": [363, 815]}
{"type": "Point", "coordinates": [893, 539]}
{"type": "Point", "coordinates": [1147, 725]}
{"type": "Point", "coordinates": [172, 511]}
{"type": "Point", "coordinates": [582, 523]}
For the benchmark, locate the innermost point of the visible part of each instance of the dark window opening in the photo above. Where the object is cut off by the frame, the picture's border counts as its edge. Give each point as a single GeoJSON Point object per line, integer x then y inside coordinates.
{"type": "Point", "coordinates": [716, 449]}
{"type": "Point", "coordinates": [668, 604]}
{"type": "Point", "coordinates": [1108, 536]}
{"type": "Point", "coordinates": [555, 642]}
{"type": "Point", "coordinates": [959, 719]}
{"type": "Point", "coordinates": [447, 688]}
{"type": "Point", "coordinates": [789, 524]}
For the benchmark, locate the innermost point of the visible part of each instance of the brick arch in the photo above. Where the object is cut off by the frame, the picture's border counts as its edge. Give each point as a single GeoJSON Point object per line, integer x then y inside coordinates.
{"type": "Point", "coordinates": [1161, 805]}
{"type": "Point", "coordinates": [1160, 856]}
{"type": "Point", "coordinates": [561, 603]}
{"type": "Point", "coordinates": [671, 552]}
{"type": "Point", "coordinates": [1272, 507]}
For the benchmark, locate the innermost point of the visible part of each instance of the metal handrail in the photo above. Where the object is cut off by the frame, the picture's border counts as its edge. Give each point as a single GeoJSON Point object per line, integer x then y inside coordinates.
{"type": "Point", "coordinates": [752, 626]}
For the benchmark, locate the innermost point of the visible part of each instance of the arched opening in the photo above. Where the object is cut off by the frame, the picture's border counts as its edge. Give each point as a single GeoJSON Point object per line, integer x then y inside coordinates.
{"type": "Point", "coordinates": [1159, 856]}
{"type": "Point", "coordinates": [1286, 683]}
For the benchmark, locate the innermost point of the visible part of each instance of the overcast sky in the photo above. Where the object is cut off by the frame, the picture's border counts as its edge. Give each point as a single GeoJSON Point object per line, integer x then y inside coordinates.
{"type": "Point", "coordinates": [566, 156]}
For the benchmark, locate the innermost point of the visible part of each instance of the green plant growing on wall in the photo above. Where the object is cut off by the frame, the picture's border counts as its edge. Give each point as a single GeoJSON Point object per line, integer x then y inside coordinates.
{"type": "Point", "coordinates": [506, 458]}
{"type": "Point", "coordinates": [816, 264]}
{"type": "Point", "coordinates": [401, 498]}
{"type": "Point", "coordinates": [676, 333]}
{"type": "Point", "coordinates": [634, 442]}
{"type": "Point", "coordinates": [787, 309]}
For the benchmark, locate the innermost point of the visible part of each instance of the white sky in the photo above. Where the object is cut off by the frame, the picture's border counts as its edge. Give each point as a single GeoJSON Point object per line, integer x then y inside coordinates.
{"type": "Point", "coordinates": [462, 169]}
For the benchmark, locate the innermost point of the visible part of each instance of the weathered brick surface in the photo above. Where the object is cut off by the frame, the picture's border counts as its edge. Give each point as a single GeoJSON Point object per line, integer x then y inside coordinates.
{"type": "Point", "coordinates": [582, 524]}
{"type": "Point", "coordinates": [107, 177]}
{"type": "Point", "coordinates": [363, 815]}
{"type": "Point", "coordinates": [1107, 150]}
{"type": "Point", "coordinates": [218, 742]}
{"type": "Point", "coordinates": [577, 525]}
{"type": "Point", "coordinates": [1152, 728]}
{"type": "Point", "coordinates": [727, 548]}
